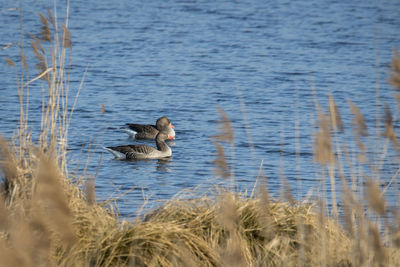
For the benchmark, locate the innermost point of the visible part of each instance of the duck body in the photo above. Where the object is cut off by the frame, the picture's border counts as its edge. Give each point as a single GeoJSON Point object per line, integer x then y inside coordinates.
{"type": "Point", "coordinates": [147, 131]}
{"type": "Point", "coordinates": [133, 152]}
{"type": "Point", "coordinates": [142, 131]}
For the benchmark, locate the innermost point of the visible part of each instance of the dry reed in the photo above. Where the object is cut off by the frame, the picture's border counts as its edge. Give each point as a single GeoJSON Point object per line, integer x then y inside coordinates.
{"type": "Point", "coordinates": [49, 219]}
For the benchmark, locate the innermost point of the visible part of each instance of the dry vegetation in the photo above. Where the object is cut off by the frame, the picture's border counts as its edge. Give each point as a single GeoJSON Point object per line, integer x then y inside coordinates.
{"type": "Point", "coordinates": [47, 219]}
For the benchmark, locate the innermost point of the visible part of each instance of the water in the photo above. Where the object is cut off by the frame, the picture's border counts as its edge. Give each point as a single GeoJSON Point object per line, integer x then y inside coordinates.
{"type": "Point", "coordinates": [184, 59]}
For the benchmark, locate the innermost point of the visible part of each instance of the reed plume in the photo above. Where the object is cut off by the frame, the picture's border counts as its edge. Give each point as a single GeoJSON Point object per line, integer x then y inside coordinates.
{"type": "Point", "coordinates": [48, 217]}
{"type": "Point", "coordinates": [394, 79]}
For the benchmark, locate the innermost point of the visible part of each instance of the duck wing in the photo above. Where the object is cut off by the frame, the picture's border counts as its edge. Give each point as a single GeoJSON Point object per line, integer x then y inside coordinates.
{"type": "Point", "coordinates": [142, 128]}
{"type": "Point", "coordinates": [143, 131]}
{"type": "Point", "coordinates": [142, 149]}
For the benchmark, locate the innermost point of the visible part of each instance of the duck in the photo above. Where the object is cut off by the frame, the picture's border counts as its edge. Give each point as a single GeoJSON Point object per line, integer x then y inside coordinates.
{"type": "Point", "coordinates": [147, 131]}
{"type": "Point", "coordinates": [135, 152]}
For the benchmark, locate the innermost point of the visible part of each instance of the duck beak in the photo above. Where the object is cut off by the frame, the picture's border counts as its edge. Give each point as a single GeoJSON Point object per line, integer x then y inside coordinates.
{"type": "Point", "coordinates": [171, 137]}
{"type": "Point", "coordinates": [170, 125]}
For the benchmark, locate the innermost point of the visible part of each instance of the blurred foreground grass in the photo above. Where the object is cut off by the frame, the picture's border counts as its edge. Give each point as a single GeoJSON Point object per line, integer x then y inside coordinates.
{"type": "Point", "coordinates": [48, 217]}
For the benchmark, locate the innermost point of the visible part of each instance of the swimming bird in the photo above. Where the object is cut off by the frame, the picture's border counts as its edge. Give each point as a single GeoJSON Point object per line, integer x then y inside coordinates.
{"type": "Point", "coordinates": [146, 131]}
{"type": "Point", "coordinates": [144, 151]}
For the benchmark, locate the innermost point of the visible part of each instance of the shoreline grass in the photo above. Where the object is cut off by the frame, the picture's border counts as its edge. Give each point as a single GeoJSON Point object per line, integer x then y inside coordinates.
{"type": "Point", "coordinates": [50, 218]}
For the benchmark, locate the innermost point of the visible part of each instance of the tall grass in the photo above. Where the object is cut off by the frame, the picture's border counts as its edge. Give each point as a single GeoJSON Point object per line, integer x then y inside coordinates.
{"type": "Point", "coordinates": [50, 218]}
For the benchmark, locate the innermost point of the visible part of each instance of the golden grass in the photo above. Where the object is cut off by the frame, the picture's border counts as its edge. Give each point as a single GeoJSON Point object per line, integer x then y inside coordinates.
{"type": "Point", "coordinates": [50, 218]}
{"type": "Point", "coordinates": [57, 226]}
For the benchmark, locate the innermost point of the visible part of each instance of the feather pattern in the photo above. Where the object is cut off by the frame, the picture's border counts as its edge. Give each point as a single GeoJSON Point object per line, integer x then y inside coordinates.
{"type": "Point", "coordinates": [147, 131]}
{"type": "Point", "coordinates": [143, 151]}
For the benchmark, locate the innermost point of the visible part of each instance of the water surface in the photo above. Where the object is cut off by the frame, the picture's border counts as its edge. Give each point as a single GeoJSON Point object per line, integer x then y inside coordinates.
{"type": "Point", "coordinates": [265, 63]}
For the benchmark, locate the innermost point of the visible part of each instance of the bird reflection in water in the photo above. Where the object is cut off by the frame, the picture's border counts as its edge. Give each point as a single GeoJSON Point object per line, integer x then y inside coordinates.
{"type": "Point", "coordinates": [163, 165]}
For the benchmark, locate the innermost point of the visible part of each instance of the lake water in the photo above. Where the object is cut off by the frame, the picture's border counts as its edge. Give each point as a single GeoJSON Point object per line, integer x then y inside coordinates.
{"type": "Point", "coordinates": [264, 62]}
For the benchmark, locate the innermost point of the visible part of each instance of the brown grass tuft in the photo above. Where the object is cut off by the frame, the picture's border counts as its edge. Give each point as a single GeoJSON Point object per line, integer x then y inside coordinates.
{"type": "Point", "coordinates": [374, 197]}
{"type": "Point", "coordinates": [377, 245]}
{"type": "Point", "coordinates": [221, 165]}
{"type": "Point", "coordinates": [233, 225]}
{"type": "Point", "coordinates": [24, 61]}
{"type": "Point", "coordinates": [394, 79]}
{"type": "Point", "coordinates": [360, 127]}
{"type": "Point", "coordinates": [223, 169]}
{"type": "Point", "coordinates": [226, 130]}
{"type": "Point", "coordinates": [50, 194]}
{"type": "Point", "coordinates": [45, 32]}
{"type": "Point", "coordinates": [41, 64]}
{"type": "Point", "coordinates": [389, 128]}
{"type": "Point", "coordinates": [50, 17]}
{"type": "Point", "coordinates": [336, 120]}
{"type": "Point", "coordinates": [10, 62]}
{"type": "Point", "coordinates": [323, 148]}
{"type": "Point", "coordinates": [90, 190]}
{"type": "Point", "coordinates": [67, 41]}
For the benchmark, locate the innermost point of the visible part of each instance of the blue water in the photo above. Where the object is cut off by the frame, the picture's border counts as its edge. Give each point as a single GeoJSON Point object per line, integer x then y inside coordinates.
{"type": "Point", "coordinates": [265, 63]}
